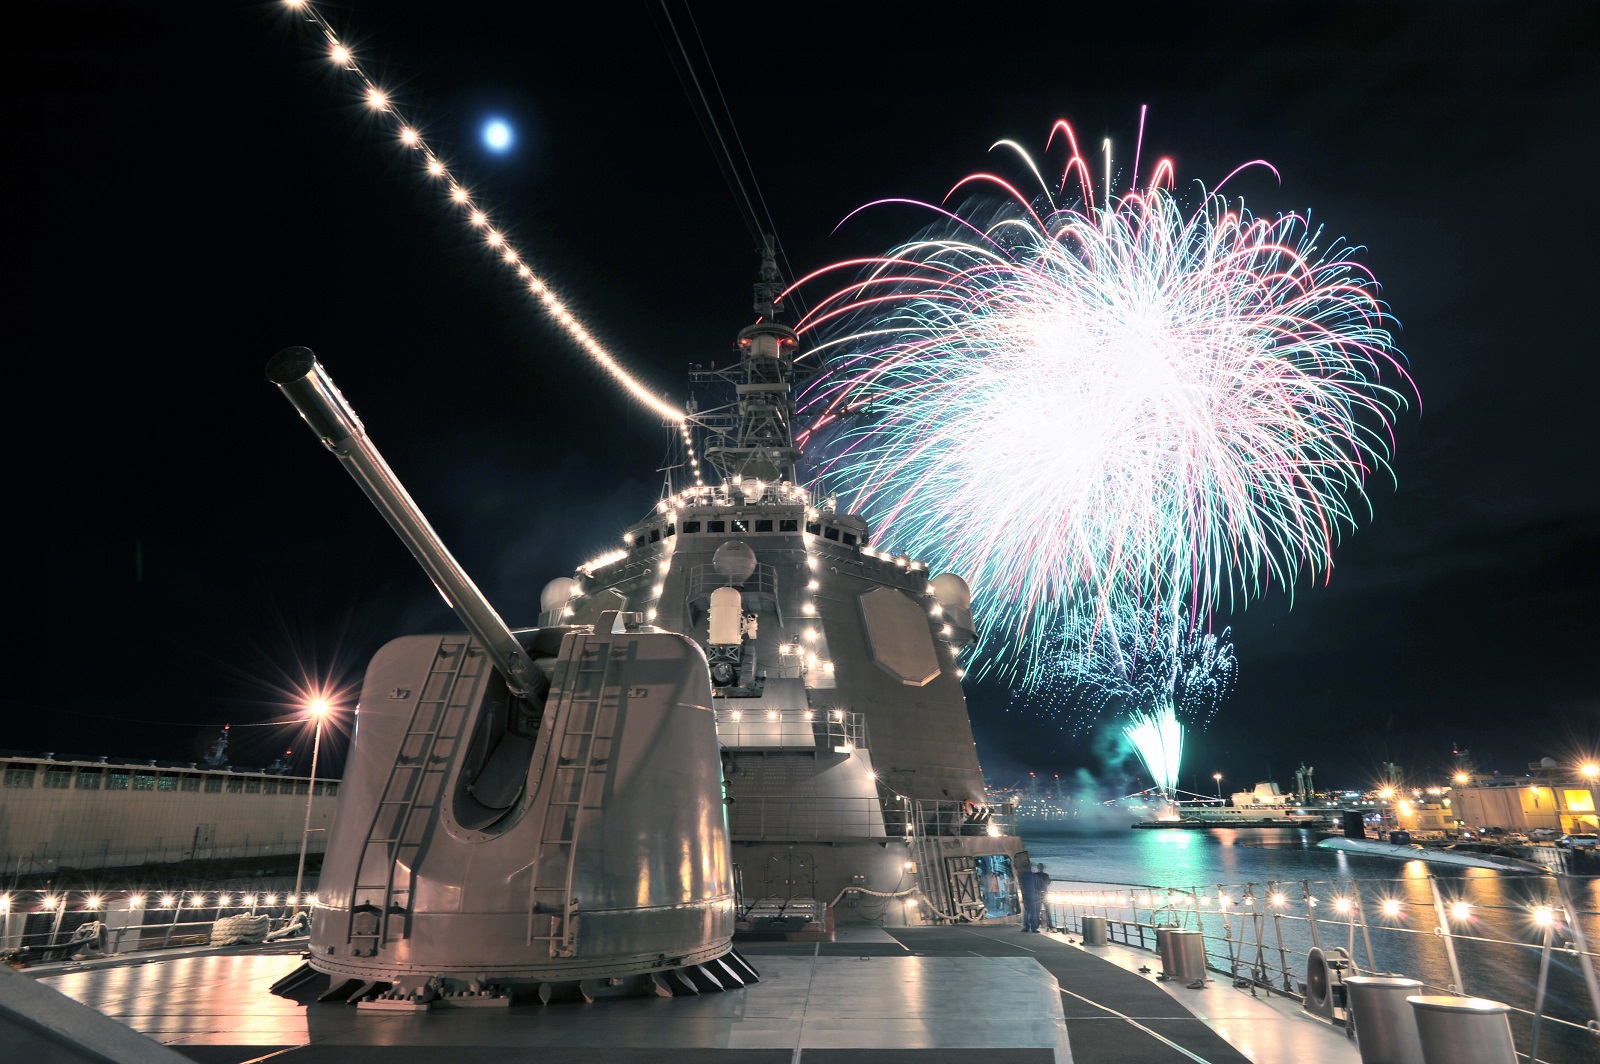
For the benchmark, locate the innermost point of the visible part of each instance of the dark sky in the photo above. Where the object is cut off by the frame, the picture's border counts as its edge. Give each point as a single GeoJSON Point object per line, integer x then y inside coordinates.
{"type": "Point", "coordinates": [192, 188]}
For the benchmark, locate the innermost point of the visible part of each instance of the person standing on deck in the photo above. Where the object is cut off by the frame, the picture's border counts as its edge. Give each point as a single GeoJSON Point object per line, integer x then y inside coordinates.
{"type": "Point", "coordinates": [1041, 882]}
{"type": "Point", "coordinates": [1028, 880]}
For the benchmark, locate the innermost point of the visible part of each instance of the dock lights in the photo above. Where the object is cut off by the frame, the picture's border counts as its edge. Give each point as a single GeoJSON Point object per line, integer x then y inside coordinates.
{"type": "Point", "coordinates": [93, 902]}
{"type": "Point", "coordinates": [1544, 916]}
{"type": "Point", "coordinates": [1462, 778]}
{"type": "Point", "coordinates": [1461, 911]}
{"type": "Point", "coordinates": [1391, 907]}
{"type": "Point", "coordinates": [167, 901]}
{"type": "Point", "coordinates": [1279, 899]}
{"type": "Point", "coordinates": [1342, 904]}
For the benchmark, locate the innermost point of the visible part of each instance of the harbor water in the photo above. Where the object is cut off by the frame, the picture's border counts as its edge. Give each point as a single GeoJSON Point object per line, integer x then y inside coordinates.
{"type": "Point", "coordinates": [1265, 897]}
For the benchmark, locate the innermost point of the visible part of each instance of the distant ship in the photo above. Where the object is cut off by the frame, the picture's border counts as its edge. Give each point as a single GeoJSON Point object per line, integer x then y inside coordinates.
{"type": "Point", "coordinates": [1264, 806]}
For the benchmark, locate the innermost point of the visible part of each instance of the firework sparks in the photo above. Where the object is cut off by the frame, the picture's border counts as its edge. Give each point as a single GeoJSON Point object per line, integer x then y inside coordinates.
{"type": "Point", "coordinates": [1137, 660]}
{"type": "Point", "coordinates": [1107, 400]}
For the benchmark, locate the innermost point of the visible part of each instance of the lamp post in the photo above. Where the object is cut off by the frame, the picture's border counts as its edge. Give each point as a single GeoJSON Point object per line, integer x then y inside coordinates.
{"type": "Point", "coordinates": [1218, 777]}
{"type": "Point", "coordinates": [319, 710]}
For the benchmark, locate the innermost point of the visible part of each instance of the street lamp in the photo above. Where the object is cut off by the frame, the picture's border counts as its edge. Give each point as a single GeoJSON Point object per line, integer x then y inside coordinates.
{"type": "Point", "coordinates": [1385, 795]}
{"type": "Point", "coordinates": [319, 709]}
{"type": "Point", "coordinates": [1218, 777]}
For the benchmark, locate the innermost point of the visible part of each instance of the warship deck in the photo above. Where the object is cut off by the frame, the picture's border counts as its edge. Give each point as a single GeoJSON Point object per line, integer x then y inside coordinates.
{"type": "Point", "coordinates": [899, 996]}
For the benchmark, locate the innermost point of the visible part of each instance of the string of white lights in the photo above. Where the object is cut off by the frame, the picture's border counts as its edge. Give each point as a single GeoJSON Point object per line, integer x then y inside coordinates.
{"type": "Point", "coordinates": [477, 217]}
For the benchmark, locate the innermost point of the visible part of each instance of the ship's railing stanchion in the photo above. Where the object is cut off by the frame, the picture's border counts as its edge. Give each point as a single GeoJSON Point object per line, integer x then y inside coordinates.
{"type": "Point", "coordinates": [1457, 986]}
{"type": "Point", "coordinates": [1224, 905]}
{"type": "Point", "coordinates": [1311, 916]}
{"type": "Point", "coordinates": [1278, 900]}
{"type": "Point", "coordinates": [1366, 935]}
{"type": "Point", "coordinates": [1580, 939]}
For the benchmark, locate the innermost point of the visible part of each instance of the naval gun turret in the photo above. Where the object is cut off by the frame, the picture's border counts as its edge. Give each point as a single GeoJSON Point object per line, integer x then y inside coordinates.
{"type": "Point", "coordinates": [526, 812]}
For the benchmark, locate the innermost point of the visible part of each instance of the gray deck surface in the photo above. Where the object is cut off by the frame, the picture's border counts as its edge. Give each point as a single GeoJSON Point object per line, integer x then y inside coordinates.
{"type": "Point", "coordinates": [902, 996]}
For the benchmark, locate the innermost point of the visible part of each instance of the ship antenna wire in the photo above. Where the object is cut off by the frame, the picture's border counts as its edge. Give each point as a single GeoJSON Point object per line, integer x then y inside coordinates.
{"type": "Point", "coordinates": [737, 172]}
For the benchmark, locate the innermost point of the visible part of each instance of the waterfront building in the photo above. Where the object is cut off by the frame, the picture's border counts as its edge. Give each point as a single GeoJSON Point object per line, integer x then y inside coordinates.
{"type": "Point", "coordinates": [1551, 796]}
{"type": "Point", "coordinates": [58, 815]}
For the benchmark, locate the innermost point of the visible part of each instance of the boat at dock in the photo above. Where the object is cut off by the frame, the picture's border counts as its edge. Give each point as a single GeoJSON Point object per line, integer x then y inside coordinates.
{"type": "Point", "coordinates": [1264, 806]}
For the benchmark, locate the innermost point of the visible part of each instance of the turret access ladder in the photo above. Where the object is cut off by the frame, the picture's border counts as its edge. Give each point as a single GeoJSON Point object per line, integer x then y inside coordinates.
{"type": "Point", "coordinates": [411, 797]}
{"type": "Point", "coordinates": [576, 765]}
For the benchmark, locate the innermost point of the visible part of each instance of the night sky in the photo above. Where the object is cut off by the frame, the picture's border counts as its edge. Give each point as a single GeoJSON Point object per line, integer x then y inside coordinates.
{"type": "Point", "coordinates": [192, 188]}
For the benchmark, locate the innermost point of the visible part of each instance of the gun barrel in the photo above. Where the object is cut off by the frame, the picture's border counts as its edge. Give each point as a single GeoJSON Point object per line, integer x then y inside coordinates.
{"type": "Point", "coordinates": [304, 382]}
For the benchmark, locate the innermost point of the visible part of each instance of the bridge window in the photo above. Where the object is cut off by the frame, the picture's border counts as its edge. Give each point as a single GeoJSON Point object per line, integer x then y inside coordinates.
{"type": "Point", "coordinates": [789, 525]}
{"type": "Point", "coordinates": [849, 538]}
{"type": "Point", "coordinates": [58, 778]}
{"type": "Point", "coordinates": [764, 526]}
{"type": "Point", "coordinates": [166, 783]}
{"type": "Point", "coordinates": [691, 526]}
{"type": "Point", "coordinates": [671, 530]}
{"type": "Point", "coordinates": [638, 541]}
{"type": "Point", "coordinates": [741, 525]}
{"type": "Point", "coordinates": [655, 535]}
{"type": "Point", "coordinates": [117, 781]}
{"type": "Point", "coordinates": [89, 779]}
{"type": "Point", "coordinates": [716, 526]}
{"type": "Point", "coordinates": [830, 533]}
{"type": "Point", "coordinates": [19, 775]}
{"type": "Point", "coordinates": [814, 527]}
{"type": "Point", "coordinates": [144, 781]}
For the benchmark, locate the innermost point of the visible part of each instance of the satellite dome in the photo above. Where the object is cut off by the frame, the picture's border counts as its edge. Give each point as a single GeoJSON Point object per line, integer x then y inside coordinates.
{"type": "Point", "coordinates": [1547, 762]}
{"type": "Point", "coordinates": [735, 561]}
{"type": "Point", "coordinates": [556, 593]}
{"type": "Point", "coordinates": [950, 590]}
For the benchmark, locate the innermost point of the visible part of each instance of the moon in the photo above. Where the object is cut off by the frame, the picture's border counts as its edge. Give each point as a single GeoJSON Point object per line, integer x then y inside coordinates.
{"type": "Point", "coordinates": [497, 135]}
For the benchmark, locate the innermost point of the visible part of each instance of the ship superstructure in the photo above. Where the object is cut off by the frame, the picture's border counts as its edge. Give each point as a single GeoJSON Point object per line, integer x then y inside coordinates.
{"type": "Point", "coordinates": [851, 774]}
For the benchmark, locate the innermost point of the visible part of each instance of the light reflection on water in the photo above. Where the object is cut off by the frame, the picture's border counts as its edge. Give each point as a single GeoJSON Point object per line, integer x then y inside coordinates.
{"type": "Point", "coordinates": [1501, 909]}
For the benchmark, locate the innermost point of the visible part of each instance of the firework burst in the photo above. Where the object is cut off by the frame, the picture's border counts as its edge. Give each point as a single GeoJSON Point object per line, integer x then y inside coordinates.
{"type": "Point", "coordinates": [1139, 660]}
{"type": "Point", "coordinates": [1077, 401]}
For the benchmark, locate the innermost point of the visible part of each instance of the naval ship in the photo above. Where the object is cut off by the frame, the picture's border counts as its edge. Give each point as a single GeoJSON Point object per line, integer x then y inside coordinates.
{"type": "Point", "coordinates": [728, 784]}
{"type": "Point", "coordinates": [853, 787]}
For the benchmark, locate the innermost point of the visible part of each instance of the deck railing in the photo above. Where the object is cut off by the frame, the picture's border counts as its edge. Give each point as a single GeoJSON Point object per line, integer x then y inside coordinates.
{"type": "Point", "coordinates": [1526, 941]}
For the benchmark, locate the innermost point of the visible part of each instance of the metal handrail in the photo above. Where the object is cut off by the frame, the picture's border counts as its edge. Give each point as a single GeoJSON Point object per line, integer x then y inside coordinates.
{"type": "Point", "coordinates": [1261, 934]}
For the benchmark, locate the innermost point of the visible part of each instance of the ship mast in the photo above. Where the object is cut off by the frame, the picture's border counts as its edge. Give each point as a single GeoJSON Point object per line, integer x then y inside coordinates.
{"type": "Point", "coordinates": [753, 437]}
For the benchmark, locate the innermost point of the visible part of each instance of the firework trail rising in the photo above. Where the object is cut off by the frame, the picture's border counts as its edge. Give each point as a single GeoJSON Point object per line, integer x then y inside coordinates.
{"type": "Point", "coordinates": [1157, 737]}
{"type": "Point", "coordinates": [1071, 398]}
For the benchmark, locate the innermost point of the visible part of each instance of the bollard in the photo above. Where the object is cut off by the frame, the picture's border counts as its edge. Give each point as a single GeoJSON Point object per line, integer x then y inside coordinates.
{"type": "Point", "coordinates": [1094, 930]}
{"type": "Point", "coordinates": [1183, 953]}
{"type": "Point", "coordinates": [1463, 1030]}
{"type": "Point", "coordinates": [1386, 1027]}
